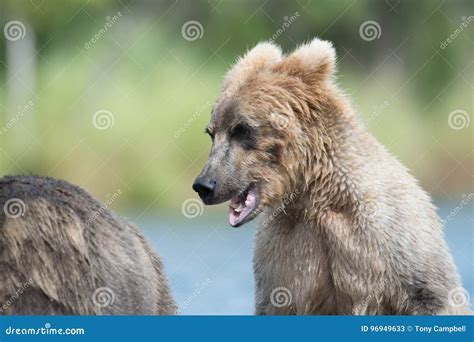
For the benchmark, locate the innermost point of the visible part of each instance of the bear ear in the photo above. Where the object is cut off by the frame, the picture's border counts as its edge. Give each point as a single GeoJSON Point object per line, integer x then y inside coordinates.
{"type": "Point", "coordinates": [312, 62]}
{"type": "Point", "coordinates": [263, 55]}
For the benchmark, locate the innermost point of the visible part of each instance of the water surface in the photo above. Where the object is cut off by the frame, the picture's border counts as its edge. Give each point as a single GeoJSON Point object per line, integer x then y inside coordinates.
{"type": "Point", "coordinates": [209, 263]}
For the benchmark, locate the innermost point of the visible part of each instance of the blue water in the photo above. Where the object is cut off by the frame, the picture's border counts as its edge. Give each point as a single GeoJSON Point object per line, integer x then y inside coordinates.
{"type": "Point", "coordinates": [209, 264]}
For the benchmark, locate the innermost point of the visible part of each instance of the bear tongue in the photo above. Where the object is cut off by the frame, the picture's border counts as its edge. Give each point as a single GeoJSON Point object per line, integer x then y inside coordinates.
{"type": "Point", "coordinates": [240, 207]}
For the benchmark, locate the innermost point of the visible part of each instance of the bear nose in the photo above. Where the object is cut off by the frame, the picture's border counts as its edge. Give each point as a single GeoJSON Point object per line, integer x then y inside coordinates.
{"type": "Point", "coordinates": [204, 186]}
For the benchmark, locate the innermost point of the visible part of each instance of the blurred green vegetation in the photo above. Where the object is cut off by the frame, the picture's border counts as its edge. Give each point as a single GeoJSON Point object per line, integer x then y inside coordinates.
{"type": "Point", "coordinates": [160, 87]}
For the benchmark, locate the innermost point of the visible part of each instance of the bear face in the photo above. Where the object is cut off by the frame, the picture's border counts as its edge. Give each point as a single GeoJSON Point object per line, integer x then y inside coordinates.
{"type": "Point", "coordinates": [267, 127]}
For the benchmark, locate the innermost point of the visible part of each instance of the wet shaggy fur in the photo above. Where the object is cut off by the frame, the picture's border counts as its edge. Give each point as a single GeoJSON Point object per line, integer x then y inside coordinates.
{"type": "Point", "coordinates": [346, 229]}
{"type": "Point", "coordinates": [69, 255]}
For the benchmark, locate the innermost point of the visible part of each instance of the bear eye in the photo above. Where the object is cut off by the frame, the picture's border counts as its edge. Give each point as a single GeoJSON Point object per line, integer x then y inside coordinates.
{"type": "Point", "coordinates": [240, 131]}
{"type": "Point", "coordinates": [245, 134]}
{"type": "Point", "coordinates": [208, 131]}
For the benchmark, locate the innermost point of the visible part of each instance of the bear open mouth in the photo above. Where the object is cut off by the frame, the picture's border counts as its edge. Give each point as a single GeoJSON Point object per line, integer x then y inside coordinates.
{"type": "Point", "coordinates": [242, 206]}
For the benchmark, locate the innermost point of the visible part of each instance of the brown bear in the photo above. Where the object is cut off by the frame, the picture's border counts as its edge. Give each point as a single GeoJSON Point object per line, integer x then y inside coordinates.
{"type": "Point", "coordinates": [346, 229]}
{"type": "Point", "coordinates": [62, 252]}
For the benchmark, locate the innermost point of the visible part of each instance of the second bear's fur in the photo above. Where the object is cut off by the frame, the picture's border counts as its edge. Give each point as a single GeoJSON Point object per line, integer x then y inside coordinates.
{"type": "Point", "coordinates": [62, 252]}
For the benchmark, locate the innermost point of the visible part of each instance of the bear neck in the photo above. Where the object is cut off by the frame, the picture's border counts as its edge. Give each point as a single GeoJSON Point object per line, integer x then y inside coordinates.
{"type": "Point", "coordinates": [330, 178]}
